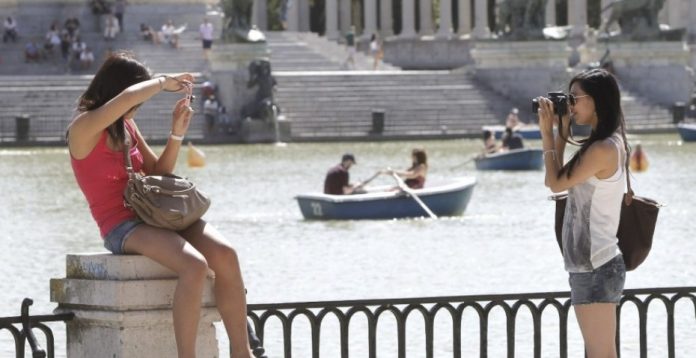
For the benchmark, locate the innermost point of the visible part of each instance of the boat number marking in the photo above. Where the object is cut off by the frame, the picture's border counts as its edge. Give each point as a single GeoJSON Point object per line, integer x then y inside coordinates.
{"type": "Point", "coordinates": [316, 209]}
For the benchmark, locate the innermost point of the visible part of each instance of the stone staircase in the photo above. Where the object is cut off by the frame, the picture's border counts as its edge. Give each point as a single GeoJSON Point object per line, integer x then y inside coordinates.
{"type": "Point", "coordinates": [50, 102]}
{"type": "Point", "coordinates": [307, 51]}
{"type": "Point", "coordinates": [417, 104]}
{"type": "Point", "coordinates": [643, 116]}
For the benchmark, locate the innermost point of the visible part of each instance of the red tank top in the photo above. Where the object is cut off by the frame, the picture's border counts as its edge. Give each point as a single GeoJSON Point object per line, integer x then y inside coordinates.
{"type": "Point", "coordinates": [102, 178]}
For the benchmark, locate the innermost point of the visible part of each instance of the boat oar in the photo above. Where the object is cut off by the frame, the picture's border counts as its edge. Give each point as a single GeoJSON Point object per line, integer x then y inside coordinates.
{"type": "Point", "coordinates": [364, 182]}
{"type": "Point", "coordinates": [465, 162]}
{"type": "Point", "coordinates": [415, 197]}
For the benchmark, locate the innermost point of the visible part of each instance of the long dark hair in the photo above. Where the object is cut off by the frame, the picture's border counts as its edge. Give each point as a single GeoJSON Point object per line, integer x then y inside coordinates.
{"type": "Point", "coordinates": [604, 90]}
{"type": "Point", "coordinates": [420, 158]}
{"type": "Point", "coordinates": [119, 71]}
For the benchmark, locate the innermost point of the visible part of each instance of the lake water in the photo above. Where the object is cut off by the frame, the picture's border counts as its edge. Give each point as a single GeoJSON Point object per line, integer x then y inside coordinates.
{"type": "Point", "coordinates": [504, 243]}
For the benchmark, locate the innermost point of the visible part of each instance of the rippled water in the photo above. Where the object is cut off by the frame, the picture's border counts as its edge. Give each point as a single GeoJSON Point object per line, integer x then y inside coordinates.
{"type": "Point", "coordinates": [504, 243]}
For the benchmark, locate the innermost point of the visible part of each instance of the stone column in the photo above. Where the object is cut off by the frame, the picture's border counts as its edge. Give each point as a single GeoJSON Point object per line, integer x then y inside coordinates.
{"type": "Point", "coordinates": [344, 16]}
{"type": "Point", "coordinates": [123, 308]}
{"type": "Point", "coordinates": [577, 17]}
{"type": "Point", "coordinates": [304, 15]}
{"type": "Point", "coordinates": [605, 15]}
{"type": "Point", "coordinates": [691, 19]}
{"type": "Point", "coordinates": [386, 18]}
{"type": "Point", "coordinates": [370, 13]}
{"type": "Point", "coordinates": [259, 17]}
{"type": "Point", "coordinates": [674, 13]}
{"type": "Point", "coordinates": [293, 15]}
{"type": "Point", "coordinates": [481, 30]}
{"type": "Point", "coordinates": [464, 14]}
{"type": "Point", "coordinates": [550, 15]}
{"type": "Point", "coordinates": [445, 29]}
{"type": "Point", "coordinates": [426, 17]}
{"type": "Point", "coordinates": [332, 20]}
{"type": "Point", "coordinates": [408, 27]}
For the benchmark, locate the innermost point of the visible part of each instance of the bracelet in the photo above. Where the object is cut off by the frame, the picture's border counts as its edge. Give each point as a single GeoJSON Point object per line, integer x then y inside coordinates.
{"type": "Point", "coordinates": [176, 137]}
{"type": "Point", "coordinates": [552, 151]}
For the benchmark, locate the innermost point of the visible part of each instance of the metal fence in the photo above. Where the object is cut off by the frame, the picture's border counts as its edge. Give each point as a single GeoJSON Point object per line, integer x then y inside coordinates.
{"type": "Point", "coordinates": [429, 307]}
{"type": "Point", "coordinates": [402, 309]}
{"type": "Point", "coordinates": [25, 333]}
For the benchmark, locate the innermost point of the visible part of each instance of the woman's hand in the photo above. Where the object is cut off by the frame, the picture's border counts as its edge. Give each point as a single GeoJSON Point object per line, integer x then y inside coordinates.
{"type": "Point", "coordinates": [181, 117]}
{"type": "Point", "coordinates": [177, 83]}
{"type": "Point", "coordinates": [547, 117]}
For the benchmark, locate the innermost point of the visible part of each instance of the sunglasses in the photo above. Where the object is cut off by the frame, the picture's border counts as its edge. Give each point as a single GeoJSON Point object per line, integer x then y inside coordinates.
{"type": "Point", "coordinates": [573, 99]}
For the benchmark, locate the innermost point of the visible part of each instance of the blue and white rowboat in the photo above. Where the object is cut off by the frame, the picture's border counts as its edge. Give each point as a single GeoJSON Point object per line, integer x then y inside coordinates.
{"type": "Point", "coordinates": [381, 203]}
{"type": "Point", "coordinates": [687, 131]}
{"type": "Point", "coordinates": [517, 159]}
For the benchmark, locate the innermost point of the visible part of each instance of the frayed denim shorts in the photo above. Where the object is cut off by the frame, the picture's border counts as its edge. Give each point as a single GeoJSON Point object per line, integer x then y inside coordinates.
{"type": "Point", "coordinates": [602, 285]}
{"type": "Point", "coordinates": [116, 238]}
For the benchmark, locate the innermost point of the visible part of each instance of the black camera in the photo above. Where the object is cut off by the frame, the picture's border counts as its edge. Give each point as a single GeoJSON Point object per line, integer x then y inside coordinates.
{"type": "Point", "coordinates": [559, 100]}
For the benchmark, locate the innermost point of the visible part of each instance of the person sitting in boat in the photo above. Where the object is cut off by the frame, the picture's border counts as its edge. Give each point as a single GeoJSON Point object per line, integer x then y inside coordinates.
{"type": "Point", "coordinates": [489, 144]}
{"type": "Point", "coordinates": [513, 120]}
{"type": "Point", "coordinates": [414, 177]}
{"type": "Point", "coordinates": [337, 181]}
{"type": "Point", "coordinates": [512, 140]}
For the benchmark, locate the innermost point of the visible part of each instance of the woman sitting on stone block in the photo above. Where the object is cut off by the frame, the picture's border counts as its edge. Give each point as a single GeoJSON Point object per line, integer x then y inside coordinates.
{"type": "Point", "coordinates": [96, 138]}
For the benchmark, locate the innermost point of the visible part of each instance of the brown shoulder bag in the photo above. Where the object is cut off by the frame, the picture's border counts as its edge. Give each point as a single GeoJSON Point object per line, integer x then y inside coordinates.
{"type": "Point", "coordinates": [636, 224]}
{"type": "Point", "coordinates": [165, 201]}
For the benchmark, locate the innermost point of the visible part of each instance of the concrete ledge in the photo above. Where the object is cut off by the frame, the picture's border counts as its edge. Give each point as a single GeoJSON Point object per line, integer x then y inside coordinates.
{"type": "Point", "coordinates": [121, 295]}
{"type": "Point", "coordinates": [105, 266]}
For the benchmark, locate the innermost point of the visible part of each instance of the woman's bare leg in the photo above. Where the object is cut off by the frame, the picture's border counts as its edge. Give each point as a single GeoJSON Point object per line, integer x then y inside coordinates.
{"type": "Point", "coordinates": [172, 251]}
{"type": "Point", "coordinates": [598, 326]}
{"type": "Point", "coordinates": [229, 286]}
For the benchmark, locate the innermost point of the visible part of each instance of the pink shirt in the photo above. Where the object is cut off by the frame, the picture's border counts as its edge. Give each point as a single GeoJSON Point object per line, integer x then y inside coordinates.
{"type": "Point", "coordinates": [102, 178]}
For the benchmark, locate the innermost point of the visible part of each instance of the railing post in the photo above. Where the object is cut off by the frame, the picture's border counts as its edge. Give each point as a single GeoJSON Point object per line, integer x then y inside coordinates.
{"type": "Point", "coordinates": [123, 308]}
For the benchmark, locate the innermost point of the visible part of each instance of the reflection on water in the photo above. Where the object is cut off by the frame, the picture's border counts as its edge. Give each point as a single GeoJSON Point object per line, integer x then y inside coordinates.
{"type": "Point", "coordinates": [503, 243]}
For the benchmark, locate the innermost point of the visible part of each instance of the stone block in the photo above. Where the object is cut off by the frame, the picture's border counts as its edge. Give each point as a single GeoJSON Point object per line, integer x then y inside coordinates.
{"type": "Point", "coordinates": [122, 306]}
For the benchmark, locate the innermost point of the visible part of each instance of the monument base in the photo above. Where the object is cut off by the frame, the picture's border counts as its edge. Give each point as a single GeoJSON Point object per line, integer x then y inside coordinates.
{"type": "Point", "coordinates": [259, 131]}
{"type": "Point", "coordinates": [522, 70]}
{"type": "Point", "coordinates": [655, 70]}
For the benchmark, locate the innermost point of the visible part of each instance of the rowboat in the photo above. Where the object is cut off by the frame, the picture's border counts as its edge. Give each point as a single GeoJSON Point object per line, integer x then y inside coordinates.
{"type": "Point", "coordinates": [687, 131]}
{"type": "Point", "coordinates": [385, 202]}
{"type": "Point", "coordinates": [517, 159]}
{"type": "Point", "coordinates": [528, 131]}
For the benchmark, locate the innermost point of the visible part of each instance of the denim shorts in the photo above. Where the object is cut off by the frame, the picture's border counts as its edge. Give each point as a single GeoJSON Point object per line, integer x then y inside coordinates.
{"type": "Point", "coordinates": [603, 285]}
{"type": "Point", "coordinates": [116, 238]}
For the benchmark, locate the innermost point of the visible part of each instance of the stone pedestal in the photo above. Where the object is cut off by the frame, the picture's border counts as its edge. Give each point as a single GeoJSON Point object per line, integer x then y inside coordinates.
{"type": "Point", "coordinates": [230, 71]}
{"type": "Point", "coordinates": [522, 70]}
{"type": "Point", "coordinates": [656, 70]}
{"type": "Point", "coordinates": [257, 131]}
{"type": "Point", "coordinates": [122, 307]}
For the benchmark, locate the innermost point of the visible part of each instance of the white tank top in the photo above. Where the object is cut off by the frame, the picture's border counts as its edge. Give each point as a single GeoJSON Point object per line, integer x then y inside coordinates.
{"type": "Point", "coordinates": [591, 218]}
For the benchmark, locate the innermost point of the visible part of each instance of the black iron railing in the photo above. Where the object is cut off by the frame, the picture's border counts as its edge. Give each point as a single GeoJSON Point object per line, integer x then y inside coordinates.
{"type": "Point", "coordinates": [25, 332]}
{"type": "Point", "coordinates": [428, 307]}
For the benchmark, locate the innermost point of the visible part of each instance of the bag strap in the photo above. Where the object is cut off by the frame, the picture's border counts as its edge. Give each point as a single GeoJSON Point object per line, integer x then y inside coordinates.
{"type": "Point", "coordinates": [126, 150]}
{"type": "Point", "coordinates": [628, 198]}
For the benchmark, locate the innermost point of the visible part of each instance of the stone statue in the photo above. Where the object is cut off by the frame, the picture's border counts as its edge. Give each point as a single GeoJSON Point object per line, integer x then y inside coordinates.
{"type": "Point", "coordinates": [263, 106]}
{"type": "Point", "coordinates": [237, 20]}
{"type": "Point", "coordinates": [521, 19]}
{"type": "Point", "coordinates": [636, 18]}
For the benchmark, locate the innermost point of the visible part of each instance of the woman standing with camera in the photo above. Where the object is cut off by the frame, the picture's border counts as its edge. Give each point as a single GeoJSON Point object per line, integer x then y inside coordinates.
{"type": "Point", "coordinates": [595, 179]}
{"type": "Point", "coordinates": [96, 139]}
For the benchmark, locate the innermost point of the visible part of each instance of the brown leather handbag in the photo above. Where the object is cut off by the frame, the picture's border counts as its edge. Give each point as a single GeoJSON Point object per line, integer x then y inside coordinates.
{"type": "Point", "coordinates": [165, 201]}
{"type": "Point", "coordinates": [636, 224]}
